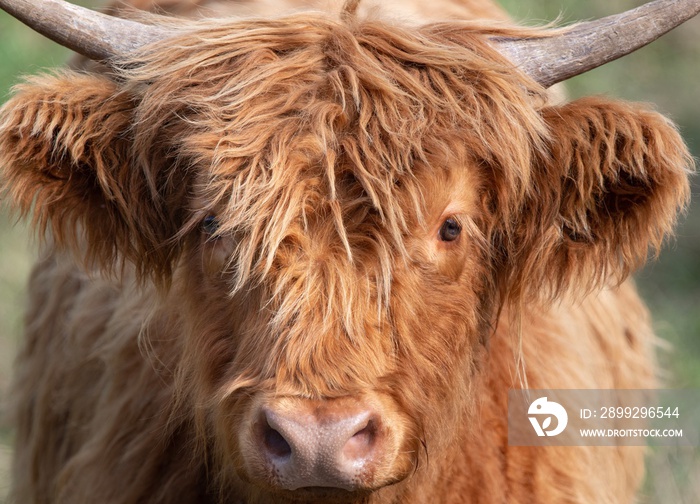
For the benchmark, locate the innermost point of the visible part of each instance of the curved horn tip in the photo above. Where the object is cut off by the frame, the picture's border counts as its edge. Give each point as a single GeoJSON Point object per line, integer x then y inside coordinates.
{"type": "Point", "coordinates": [92, 34]}
{"type": "Point", "coordinates": [588, 45]}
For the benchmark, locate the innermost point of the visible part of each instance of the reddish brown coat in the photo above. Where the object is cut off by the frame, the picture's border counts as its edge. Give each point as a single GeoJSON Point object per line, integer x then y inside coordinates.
{"type": "Point", "coordinates": [331, 153]}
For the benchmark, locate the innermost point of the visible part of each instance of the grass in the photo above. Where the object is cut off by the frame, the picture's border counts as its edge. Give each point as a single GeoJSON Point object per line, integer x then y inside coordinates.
{"type": "Point", "coordinates": [14, 266]}
{"type": "Point", "coordinates": [5, 455]}
{"type": "Point", "coordinates": [21, 52]}
{"type": "Point", "coordinates": [665, 73]}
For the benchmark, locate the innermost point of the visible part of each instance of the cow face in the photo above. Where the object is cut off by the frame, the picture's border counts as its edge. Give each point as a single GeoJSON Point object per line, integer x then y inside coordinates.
{"type": "Point", "coordinates": [332, 215]}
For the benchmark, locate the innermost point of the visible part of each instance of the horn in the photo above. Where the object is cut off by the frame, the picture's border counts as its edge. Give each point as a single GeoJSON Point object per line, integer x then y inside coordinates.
{"type": "Point", "coordinates": [588, 45]}
{"type": "Point", "coordinates": [548, 60]}
{"type": "Point", "coordinates": [92, 34]}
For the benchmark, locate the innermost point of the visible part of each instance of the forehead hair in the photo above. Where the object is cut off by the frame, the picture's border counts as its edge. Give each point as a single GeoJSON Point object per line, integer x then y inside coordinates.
{"type": "Point", "coordinates": [291, 121]}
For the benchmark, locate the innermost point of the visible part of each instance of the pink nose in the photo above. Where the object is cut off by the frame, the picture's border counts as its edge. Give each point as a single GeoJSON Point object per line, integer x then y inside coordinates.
{"type": "Point", "coordinates": [316, 446]}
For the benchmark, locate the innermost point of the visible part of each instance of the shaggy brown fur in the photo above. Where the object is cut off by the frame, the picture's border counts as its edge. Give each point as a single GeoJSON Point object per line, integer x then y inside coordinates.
{"type": "Point", "coordinates": [330, 149]}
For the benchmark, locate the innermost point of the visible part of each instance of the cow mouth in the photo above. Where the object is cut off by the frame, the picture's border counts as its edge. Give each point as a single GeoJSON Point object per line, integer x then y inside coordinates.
{"type": "Point", "coordinates": [344, 449]}
{"type": "Point", "coordinates": [326, 495]}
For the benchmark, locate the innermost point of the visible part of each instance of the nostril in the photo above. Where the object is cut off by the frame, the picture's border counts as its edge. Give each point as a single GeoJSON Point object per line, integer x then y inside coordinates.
{"type": "Point", "coordinates": [296, 443]}
{"type": "Point", "coordinates": [275, 443]}
{"type": "Point", "coordinates": [361, 444]}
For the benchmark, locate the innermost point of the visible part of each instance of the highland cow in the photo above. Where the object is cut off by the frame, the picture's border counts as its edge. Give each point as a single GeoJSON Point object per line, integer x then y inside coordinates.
{"type": "Point", "coordinates": [302, 258]}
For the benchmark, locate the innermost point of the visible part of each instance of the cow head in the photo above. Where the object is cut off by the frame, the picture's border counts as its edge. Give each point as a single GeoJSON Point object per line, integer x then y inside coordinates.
{"type": "Point", "coordinates": [333, 213]}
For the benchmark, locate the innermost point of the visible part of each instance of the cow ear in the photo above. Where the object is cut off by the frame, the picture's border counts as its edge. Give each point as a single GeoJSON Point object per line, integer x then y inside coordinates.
{"type": "Point", "coordinates": [606, 190]}
{"type": "Point", "coordinates": [66, 153]}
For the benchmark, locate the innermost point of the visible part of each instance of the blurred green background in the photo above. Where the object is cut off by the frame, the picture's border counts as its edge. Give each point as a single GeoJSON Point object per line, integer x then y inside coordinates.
{"type": "Point", "coordinates": [666, 73]}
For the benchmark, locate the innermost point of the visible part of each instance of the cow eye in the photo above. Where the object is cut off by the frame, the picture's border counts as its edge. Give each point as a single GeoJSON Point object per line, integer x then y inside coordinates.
{"type": "Point", "coordinates": [210, 225]}
{"type": "Point", "coordinates": [450, 230]}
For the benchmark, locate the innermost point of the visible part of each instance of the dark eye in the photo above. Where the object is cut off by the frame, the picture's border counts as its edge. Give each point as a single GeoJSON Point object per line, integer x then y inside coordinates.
{"type": "Point", "coordinates": [210, 225]}
{"type": "Point", "coordinates": [450, 230]}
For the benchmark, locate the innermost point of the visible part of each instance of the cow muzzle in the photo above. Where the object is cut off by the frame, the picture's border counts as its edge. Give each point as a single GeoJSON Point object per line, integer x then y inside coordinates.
{"type": "Point", "coordinates": [301, 445]}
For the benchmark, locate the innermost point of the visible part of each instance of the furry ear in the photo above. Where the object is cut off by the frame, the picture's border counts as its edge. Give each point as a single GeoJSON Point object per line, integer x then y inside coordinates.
{"type": "Point", "coordinates": [608, 189]}
{"type": "Point", "coordinates": [66, 150]}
